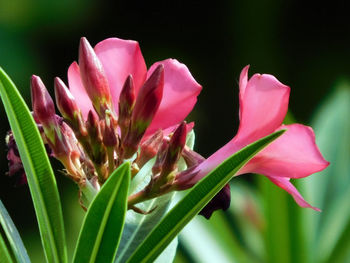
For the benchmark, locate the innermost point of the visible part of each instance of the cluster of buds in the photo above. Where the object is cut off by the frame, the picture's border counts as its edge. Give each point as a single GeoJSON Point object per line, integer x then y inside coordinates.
{"type": "Point", "coordinates": [91, 147]}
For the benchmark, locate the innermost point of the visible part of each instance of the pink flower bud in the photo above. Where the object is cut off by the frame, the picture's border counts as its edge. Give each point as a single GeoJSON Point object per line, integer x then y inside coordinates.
{"type": "Point", "coordinates": [191, 157]}
{"type": "Point", "coordinates": [109, 136]}
{"type": "Point", "coordinates": [127, 100]}
{"type": "Point", "coordinates": [221, 200]}
{"type": "Point", "coordinates": [68, 106]}
{"type": "Point", "coordinates": [146, 106]}
{"type": "Point", "coordinates": [150, 147]}
{"type": "Point", "coordinates": [93, 77]}
{"type": "Point", "coordinates": [157, 167]}
{"type": "Point", "coordinates": [43, 107]}
{"type": "Point", "coordinates": [176, 145]}
{"type": "Point", "coordinates": [97, 154]}
{"type": "Point", "coordinates": [93, 127]}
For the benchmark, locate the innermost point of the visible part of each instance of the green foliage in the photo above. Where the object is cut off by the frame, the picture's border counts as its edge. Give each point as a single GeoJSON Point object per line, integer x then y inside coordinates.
{"type": "Point", "coordinates": [39, 173]}
{"type": "Point", "coordinates": [101, 232]}
{"type": "Point", "coordinates": [5, 256]}
{"type": "Point", "coordinates": [13, 236]}
{"type": "Point", "coordinates": [329, 190]}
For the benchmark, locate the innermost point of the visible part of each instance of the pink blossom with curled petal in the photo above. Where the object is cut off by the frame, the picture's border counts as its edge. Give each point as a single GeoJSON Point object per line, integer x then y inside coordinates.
{"type": "Point", "coordinates": [119, 59]}
{"type": "Point", "coordinates": [263, 106]}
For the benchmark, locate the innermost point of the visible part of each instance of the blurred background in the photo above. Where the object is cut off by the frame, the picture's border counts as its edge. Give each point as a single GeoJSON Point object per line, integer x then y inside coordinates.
{"type": "Point", "coordinates": [305, 44]}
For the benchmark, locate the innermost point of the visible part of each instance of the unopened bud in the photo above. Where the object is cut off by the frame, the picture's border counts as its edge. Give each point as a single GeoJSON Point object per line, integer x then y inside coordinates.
{"type": "Point", "coordinates": [176, 145]}
{"type": "Point", "coordinates": [93, 127]}
{"type": "Point", "coordinates": [150, 147]}
{"type": "Point", "coordinates": [221, 200]}
{"type": "Point", "coordinates": [109, 137]}
{"type": "Point", "coordinates": [98, 154]}
{"type": "Point", "coordinates": [43, 106]}
{"type": "Point", "coordinates": [16, 169]}
{"type": "Point", "coordinates": [146, 106]}
{"type": "Point", "coordinates": [68, 107]}
{"type": "Point", "coordinates": [191, 157]}
{"type": "Point", "coordinates": [94, 78]}
{"type": "Point", "coordinates": [127, 100]}
{"type": "Point", "coordinates": [157, 167]}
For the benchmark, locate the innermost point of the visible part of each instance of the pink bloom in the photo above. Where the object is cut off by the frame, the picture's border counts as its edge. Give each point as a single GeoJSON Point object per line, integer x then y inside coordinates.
{"type": "Point", "coordinates": [263, 106]}
{"type": "Point", "coordinates": [120, 58]}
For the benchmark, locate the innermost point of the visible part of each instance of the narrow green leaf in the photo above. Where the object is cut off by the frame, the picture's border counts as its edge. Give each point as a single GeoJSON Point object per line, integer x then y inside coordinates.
{"type": "Point", "coordinates": [5, 255]}
{"type": "Point", "coordinates": [329, 189]}
{"type": "Point", "coordinates": [103, 224]}
{"type": "Point", "coordinates": [213, 241]}
{"type": "Point", "coordinates": [195, 200]}
{"type": "Point", "coordinates": [41, 180]}
{"type": "Point", "coordinates": [13, 237]}
{"type": "Point", "coordinates": [138, 226]}
{"type": "Point", "coordinates": [340, 252]}
{"type": "Point", "coordinates": [277, 222]}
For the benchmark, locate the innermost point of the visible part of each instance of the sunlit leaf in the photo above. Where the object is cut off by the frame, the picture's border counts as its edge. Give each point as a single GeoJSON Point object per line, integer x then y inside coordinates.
{"type": "Point", "coordinates": [103, 224]}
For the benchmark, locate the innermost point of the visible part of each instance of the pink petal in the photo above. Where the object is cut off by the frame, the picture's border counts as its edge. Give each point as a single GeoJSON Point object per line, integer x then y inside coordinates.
{"type": "Point", "coordinates": [263, 106]}
{"type": "Point", "coordinates": [119, 59]}
{"type": "Point", "coordinates": [293, 155]}
{"type": "Point", "coordinates": [179, 95]}
{"type": "Point", "coordinates": [285, 184]}
{"type": "Point", "coordinates": [77, 89]}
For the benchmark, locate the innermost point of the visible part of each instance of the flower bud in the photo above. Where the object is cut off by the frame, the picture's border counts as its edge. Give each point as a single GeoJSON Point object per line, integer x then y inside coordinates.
{"type": "Point", "coordinates": [43, 106]}
{"type": "Point", "coordinates": [127, 100]}
{"type": "Point", "coordinates": [157, 167]}
{"type": "Point", "coordinates": [150, 147]}
{"type": "Point", "coordinates": [16, 169]}
{"type": "Point", "coordinates": [221, 200]}
{"type": "Point", "coordinates": [146, 106]}
{"type": "Point", "coordinates": [68, 107]}
{"type": "Point", "coordinates": [176, 145]}
{"type": "Point", "coordinates": [93, 127]}
{"type": "Point", "coordinates": [98, 154]}
{"type": "Point", "coordinates": [94, 78]}
{"type": "Point", "coordinates": [109, 137]}
{"type": "Point", "coordinates": [191, 157]}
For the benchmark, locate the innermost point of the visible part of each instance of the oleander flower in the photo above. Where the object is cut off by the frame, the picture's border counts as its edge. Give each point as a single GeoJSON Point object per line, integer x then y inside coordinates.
{"type": "Point", "coordinates": [263, 106]}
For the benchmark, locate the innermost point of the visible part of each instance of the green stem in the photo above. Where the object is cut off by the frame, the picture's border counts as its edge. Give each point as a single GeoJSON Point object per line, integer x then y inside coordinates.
{"type": "Point", "coordinates": [88, 191]}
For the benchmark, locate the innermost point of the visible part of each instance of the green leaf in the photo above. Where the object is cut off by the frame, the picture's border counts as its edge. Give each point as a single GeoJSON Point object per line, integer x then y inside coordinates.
{"type": "Point", "coordinates": [5, 255]}
{"type": "Point", "coordinates": [213, 241]}
{"type": "Point", "coordinates": [277, 222]}
{"type": "Point", "coordinates": [340, 252]}
{"type": "Point", "coordinates": [329, 189]}
{"type": "Point", "coordinates": [13, 237]}
{"type": "Point", "coordinates": [41, 180]}
{"type": "Point", "coordinates": [138, 226]}
{"type": "Point", "coordinates": [103, 224]}
{"type": "Point", "coordinates": [195, 200]}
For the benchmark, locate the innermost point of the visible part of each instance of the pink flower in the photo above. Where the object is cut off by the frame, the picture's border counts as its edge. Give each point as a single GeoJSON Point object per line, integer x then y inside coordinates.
{"type": "Point", "coordinates": [115, 60]}
{"type": "Point", "coordinates": [263, 106]}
